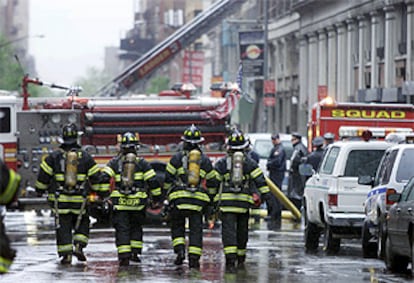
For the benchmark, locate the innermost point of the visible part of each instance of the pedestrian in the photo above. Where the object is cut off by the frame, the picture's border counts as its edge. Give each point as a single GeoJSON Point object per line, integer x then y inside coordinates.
{"type": "Point", "coordinates": [252, 153]}
{"type": "Point", "coordinates": [315, 157]}
{"type": "Point", "coordinates": [190, 184]}
{"type": "Point", "coordinates": [134, 181]}
{"type": "Point", "coordinates": [276, 165]}
{"type": "Point", "coordinates": [235, 197]}
{"type": "Point", "coordinates": [9, 188]}
{"type": "Point", "coordinates": [296, 184]}
{"type": "Point", "coordinates": [67, 174]}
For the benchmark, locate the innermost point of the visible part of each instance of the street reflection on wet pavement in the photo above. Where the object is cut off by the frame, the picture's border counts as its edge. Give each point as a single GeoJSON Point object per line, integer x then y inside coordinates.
{"type": "Point", "coordinates": [272, 256]}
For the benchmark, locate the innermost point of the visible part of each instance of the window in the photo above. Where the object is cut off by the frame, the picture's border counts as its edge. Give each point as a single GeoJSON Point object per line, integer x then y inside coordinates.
{"type": "Point", "coordinates": [263, 148]}
{"type": "Point", "coordinates": [384, 172]}
{"type": "Point", "coordinates": [405, 169]}
{"type": "Point", "coordinates": [409, 190]}
{"type": "Point", "coordinates": [5, 122]}
{"type": "Point", "coordinates": [362, 162]}
{"type": "Point", "coordinates": [329, 162]}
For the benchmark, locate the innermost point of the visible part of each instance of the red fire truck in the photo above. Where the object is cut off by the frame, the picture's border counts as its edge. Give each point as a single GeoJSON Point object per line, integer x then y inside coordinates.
{"type": "Point", "coordinates": [349, 120]}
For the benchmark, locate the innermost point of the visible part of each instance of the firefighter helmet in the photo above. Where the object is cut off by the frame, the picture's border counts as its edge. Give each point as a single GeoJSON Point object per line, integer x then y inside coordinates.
{"type": "Point", "coordinates": [129, 141]}
{"type": "Point", "coordinates": [236, 140]}
{"type": "Point", "coordinates": [70, 134]}
{"type": "Point", "coordinates": [192, 135]}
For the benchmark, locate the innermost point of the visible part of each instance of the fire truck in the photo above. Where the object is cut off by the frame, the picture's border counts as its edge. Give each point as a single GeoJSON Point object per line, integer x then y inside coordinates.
{"type": "Point", "coordinates": [349, 120]}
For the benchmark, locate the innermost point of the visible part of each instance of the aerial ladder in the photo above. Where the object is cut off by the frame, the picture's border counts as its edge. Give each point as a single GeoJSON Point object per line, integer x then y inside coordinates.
{"type": "Point", "coordinates": [167, 49]}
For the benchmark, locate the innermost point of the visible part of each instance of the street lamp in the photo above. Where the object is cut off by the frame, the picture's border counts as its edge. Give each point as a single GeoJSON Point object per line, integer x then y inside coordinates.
{"type": "Point", "coordinates": [20, 39]}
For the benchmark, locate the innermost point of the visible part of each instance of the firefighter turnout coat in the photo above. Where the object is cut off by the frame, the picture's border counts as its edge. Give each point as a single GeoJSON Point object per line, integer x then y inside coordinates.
{"type": "Point", "coordinates": [9, 184]}
{"type": "Point", "coordinates": [129, 199]}
{"type": "Point", "coordinates": [67, 174]}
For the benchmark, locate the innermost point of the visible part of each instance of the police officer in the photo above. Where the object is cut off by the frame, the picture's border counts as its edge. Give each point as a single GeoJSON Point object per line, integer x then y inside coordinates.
{"type": "Point", "coordinates": [329, 138]}
{"type": "Point", "coordinates": [67, 174]}
{"type": "Point", "coordinates": [296, 184]}
{"type": "Point", "coordinates": [235, 171]}
{"type": "Point", "coordinates": [276, 165]}
{"type": "Point", "coordinates": [132, 176]}
{"type": "Point", "coordinates": [9, 186]}
{"type": "Point", "coordinates": [315, 157]}
{"type": "Point", "coordinates": [186, 195]}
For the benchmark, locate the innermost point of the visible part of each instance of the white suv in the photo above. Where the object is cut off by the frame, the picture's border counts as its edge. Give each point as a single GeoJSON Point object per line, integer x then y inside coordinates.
{"type": "Point", "coordinates": [333, 200]}
{"type": "Point", "coordinates": [394, 171]}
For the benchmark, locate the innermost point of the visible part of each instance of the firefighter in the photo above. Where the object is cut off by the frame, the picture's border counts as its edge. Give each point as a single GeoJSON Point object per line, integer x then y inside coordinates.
{"type": "Point", "coordinates": [68, 174]}
{"type": "Point", "coordinates": [135, 180]}
{"type": "Point", "coordinates": [9, 186]}
{"type": "Point", "coordinates": [187, 197]}
{"type": "Point", "coordinates": [235, 172]}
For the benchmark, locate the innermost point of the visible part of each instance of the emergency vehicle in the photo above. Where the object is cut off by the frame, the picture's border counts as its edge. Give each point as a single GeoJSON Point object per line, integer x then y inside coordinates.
{"type": "Point", "coordinates": [349, 120]}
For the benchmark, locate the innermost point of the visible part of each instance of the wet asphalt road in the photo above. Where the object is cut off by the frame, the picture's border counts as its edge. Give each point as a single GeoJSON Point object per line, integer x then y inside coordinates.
{"type": "Point", "coordinates": [273, 256]}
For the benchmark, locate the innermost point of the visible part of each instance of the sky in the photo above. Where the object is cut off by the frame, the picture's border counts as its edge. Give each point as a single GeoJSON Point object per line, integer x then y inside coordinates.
{"type": "Point", "coordinates": [76, 33]}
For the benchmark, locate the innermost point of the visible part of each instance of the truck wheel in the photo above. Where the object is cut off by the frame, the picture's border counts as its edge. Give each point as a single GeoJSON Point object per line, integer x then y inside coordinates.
{"type": "Point", "coordinates": [331, 244]}
{"type": "Point", "coordinates": [311, 236]}
{"type": "Point", "coordinates": [394, 262]}
{"type": "Point", "coordinates": [369, 249]}
{"type": "Point", "coordinates": [382, 236]}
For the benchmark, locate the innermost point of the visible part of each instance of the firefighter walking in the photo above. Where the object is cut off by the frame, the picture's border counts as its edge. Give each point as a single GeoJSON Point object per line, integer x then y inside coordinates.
{"type": "Point", "coordinates": [67, 174]}
{"type": "Point", "coordinates": [235, 172]}
{"type": "Point", "coordinates": [186, 195]}
{"type": "Point", "coordinates": [132, 175]}
{"type": "Point", "coordinates": [9, 185]}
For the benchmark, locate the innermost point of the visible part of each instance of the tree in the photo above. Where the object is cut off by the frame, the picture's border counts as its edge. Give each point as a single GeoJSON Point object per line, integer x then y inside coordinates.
{"type": "Point", "coordinates": [92, 81]}
{"type": "Point", "coordinates": [158, 84]}
{"type": "Point", "coordinates": [10, 71]}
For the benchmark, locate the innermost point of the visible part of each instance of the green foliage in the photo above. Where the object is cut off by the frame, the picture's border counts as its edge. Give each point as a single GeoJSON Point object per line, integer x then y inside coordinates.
{"type": "Point", "coordinates": [92, 81]}
{"type": "Point", "coordinates": [10, 72]}
{"type": "Point", "coordinates": [158, 84]}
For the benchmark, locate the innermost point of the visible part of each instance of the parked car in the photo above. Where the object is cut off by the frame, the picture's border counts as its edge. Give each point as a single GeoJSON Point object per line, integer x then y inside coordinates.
{"type": "Point", "coordinates": [399, 245]}
{"type": "Point", "coordinates": [394, 171]}
{"type": "Point", "coordinates": [333, 200]}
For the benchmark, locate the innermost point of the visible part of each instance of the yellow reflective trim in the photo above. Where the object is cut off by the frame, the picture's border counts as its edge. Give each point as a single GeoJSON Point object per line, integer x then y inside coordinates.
{"type": "Point", "coordinates": [68, 198]}
{"type": "Point", "coordinates": [181, 171]}
{"type": "Point", "coordinates": [186, 194]}
{"type": "Point", "coordinates": [171, 169]}
{"type": "Point", "coordinates": [149, 174]}
{"type": "Point", "coordinates": [194, 250]}
{"type": "Point", "coordinates": [156, 191]}
{"type": "Point", "coordinates": [189, 207]}
{"type": "Point", "coordinates": [233, 209]}
{"type": "Point", "coordinates": [45, 167]}
{"type": "Point", "coordinates": [14, 179]}
{"type": "Point", "coordinates": [118, 178]}
{"type": "Point", "coordinates": [264, 189]}
{"type": "Point", "coordinates": [212, 174]}
{"type": "Point", "coordinates": [40, 185]}
{"type": "Point", "coordinates": [4, 264]}
{"type": "Point", "coordinates": [59, 177]}
{"type": "Point", "coordinates": [93, 170]}
{"type": "Point", "coordinates": [230, 250]}
{"type": "Point", "coordinates": [130, 208]}
{"type": "Point", "coordinates": [138, 176]}
{"type": "Point", "coordinates": [202, 173]}
{"type": "Point", "coordinates": [136, 244]}
{"type": "Point", "coordinates": [137, 195]}
{"type": "Point", "coordinates": [178, 241]}
{"type": "Point", "coordinates": [64, 248]}
{"type": "Point", "coordinates": [235, 197]}
{"type": "Point", "coordinates": [124, 249]}
{"type": "Point", "coordinates": [108, 170]}
{"type": "Point", "coordinates": [241, 252]}
{"type": "Point", "coordinates": [80, 238]}
{"type": "Point", "coordinates": [255, 173]}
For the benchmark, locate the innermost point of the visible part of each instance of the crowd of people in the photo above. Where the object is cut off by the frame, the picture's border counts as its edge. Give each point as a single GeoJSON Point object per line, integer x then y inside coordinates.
{"type": "Point", "coordinates": [192, 187]}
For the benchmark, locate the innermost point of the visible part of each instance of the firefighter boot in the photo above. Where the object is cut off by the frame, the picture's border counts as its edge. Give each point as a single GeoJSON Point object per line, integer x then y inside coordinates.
{"type": "Point", "coordinates": [67, 259]}
{"type": "Point", "coordinates": [124, 261]}
{"type": "Point", "coordinates": [180, 257]}
{"type": "Point", "coordinates": [230, 264]}
{"type": "Point", "coordinates": [194, 261]}
{"type": "Point", "coordinates": [135, 257]}
{"type": "Point", "coordinates": [78, 252]}
{"type": "Point", "coordinates": [240, 261]}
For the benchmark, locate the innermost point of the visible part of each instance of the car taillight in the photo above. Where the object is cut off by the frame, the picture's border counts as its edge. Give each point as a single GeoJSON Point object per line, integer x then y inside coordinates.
{"type": "Point", "coordinates": [333, 200]}
{"type": "Point", "coordinates": [388, 192]}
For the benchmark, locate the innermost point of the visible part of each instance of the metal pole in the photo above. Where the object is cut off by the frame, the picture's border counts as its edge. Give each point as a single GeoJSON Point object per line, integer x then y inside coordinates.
{"type": "Point", "coordinates": [265, 64]}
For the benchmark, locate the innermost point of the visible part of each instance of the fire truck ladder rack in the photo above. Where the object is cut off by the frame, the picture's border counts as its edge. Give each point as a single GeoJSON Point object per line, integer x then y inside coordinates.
{"type": "Point", "coordinates": [168, 48]}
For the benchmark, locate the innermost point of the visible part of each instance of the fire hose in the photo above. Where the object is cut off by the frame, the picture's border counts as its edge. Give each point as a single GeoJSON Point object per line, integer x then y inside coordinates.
{"type": "Point", "coordinates": [283, 199]}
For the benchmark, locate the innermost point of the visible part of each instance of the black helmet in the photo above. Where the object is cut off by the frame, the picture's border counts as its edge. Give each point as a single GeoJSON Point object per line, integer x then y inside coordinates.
{"type": "Point", "coordinates": [192, 135]}
{"type": "Point", "coordinates": [236, 140]}
{"type": "Point", "coordinates": [129, 140]}
{"type": "Point", "coordinates": [70, 134]}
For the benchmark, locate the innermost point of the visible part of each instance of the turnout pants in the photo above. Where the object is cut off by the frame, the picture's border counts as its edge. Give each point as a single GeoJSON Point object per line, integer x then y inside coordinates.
{"type": "Point", "coordinates": [128, 232]}
{"type": "Point", "coordinates": [234, 233]}
{"type": "Point", "coordinates": [195, 232]}
{"type": "Point", "coordinates": [64, 233]}
{"type": "Point", "coordinates": [7, 254]}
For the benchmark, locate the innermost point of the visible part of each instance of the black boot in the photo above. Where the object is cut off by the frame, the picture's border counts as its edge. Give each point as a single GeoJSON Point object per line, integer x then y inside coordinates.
{"type": "Point", "coordinates": [240, 261]}
{"type": "Point", "coordinates": [78, 252]}
{"type": "Point", "coordinates": [135, 257]}
{"type": "Point", "coordinates": [194, 261]}
{"type": "Point", "coordinates": [124, 262]}
{"type": "Point", "coordinates": [67, 259]}
{"type": "Point", "coordinates": [230, 265]}
{"type": "Point", "coordinates": [180, 257]}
